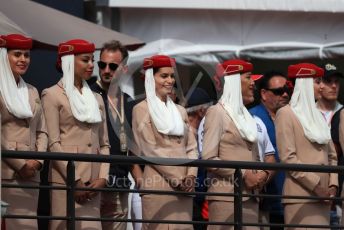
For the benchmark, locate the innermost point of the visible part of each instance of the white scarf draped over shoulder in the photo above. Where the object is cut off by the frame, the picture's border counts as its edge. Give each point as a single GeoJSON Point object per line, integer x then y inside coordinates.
{"type": "Point", "coordinates": [16, 97]}
{"type": "Point", "coordinates": [84, 105]}
{"type": "Point", "coordinates": [232, 102]}
{"type": "Point", "coordinates": [165, 116]}
{"type": "Point", "coordinates": [303, 105]}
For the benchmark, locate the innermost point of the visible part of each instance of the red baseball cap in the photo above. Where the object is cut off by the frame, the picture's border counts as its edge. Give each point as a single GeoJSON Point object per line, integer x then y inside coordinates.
{"type": "Point", "coordinates": [256, 77]}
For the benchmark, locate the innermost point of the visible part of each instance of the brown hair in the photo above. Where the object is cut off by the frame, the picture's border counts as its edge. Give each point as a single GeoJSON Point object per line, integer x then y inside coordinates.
{"type": "Point", "coordinates": [114, 45]}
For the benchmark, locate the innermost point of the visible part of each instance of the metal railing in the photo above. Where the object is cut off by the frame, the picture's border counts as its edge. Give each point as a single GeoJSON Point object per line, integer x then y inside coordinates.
{"type": "Point", "coordinates": [129, 160]}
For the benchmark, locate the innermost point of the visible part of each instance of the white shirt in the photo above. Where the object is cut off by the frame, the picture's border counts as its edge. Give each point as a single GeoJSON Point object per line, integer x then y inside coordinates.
{"type": "Point", "coordinates": [264, 144]}
{"type": "Point", "coordinates": [200, 135]}
{"type": "Point", "coordinates": [329, 114]}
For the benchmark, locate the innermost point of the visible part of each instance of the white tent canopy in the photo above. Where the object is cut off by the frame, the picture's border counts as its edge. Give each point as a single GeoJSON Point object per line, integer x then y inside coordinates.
{"type": "Point", "coordinates": [7, 26]}
{"type": "Point", "coordinates": [271, 5]}
{"type": "Point", "coordinates": [273, 34]}
{"type": "Point", "coordinates": [49, 27]}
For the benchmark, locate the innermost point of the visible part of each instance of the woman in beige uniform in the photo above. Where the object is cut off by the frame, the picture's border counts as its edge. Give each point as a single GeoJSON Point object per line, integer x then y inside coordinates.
{"type": "Point", "coordinates": [303, 137]}
{"type": "Point", "coordinates": [230, 133]}
{"type": "Point", "coordinates": [76, 124]}
{"type": "Point", "coordinates": [161, 129]}
{"type": "Point", "coordinates": [22, 128]}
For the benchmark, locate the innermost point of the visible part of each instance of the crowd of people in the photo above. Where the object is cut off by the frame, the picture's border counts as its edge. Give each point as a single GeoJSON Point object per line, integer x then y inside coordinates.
{"type": "Point", "coordinates": [296, 120]}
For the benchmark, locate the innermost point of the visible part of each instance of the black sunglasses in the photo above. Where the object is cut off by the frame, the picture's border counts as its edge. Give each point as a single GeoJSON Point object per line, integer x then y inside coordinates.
{"type": "Point", "coordinates": [112, 66]}
{"type": "Point", "coordinates": [280, 91]}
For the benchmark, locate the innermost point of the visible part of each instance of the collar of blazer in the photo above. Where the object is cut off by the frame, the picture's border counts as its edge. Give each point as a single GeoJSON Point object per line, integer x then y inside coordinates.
{"type": "Point", "coordinates": [60, 84]}
{"type": "Point", "coordinates": [33, 102]}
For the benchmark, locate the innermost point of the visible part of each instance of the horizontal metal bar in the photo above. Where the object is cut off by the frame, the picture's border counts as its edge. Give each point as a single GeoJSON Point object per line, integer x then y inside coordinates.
{"type": "Point", "coordinates": [293, 197]}
{"type": "Point", "coordinates": [9, 216]}
{"type": "Point", "coordinates": [174, 162]}
{"type": "Point", "coordinates": [172, 221]}
{"type": "Point", "coordinates": [168, 161]}
{"type": "Point", "coordinates": [164, 192]}
{"type": "Point", "coordinates": [4, 185]}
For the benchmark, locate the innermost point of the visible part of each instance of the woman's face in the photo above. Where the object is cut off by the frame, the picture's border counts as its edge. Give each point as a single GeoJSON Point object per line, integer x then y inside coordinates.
{"type": "Point", "coordinates": [317, 87]}
{"type": "Point", "coordinates": [247, 88]}
{"type": "Point", "coordinates": [83, 66]}
{"type": "Point", "coordinates": [19, 61]}
{"type": "Point", "coordinates": [164, 81]}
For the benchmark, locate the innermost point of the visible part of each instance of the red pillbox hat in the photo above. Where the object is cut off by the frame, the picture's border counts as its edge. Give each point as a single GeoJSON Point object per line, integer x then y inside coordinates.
{"type": "Point", "coordinates": [75, 46]}
{"type": "Point", "coordinates": [158, 61]}
{"type": "Point", "coordinates": [305, 70]}
{"type": "Point", "coordinates": [234, 66]}
{"type": "Point", "coordinates": [15, 41]}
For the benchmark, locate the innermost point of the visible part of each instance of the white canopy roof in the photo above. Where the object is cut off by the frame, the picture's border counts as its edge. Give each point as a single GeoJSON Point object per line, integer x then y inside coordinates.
{"type": "Point", "coordinates": [244, 34]}
{"type": "Point", "coordinates": [270, 5]}
{"type": "Point", "coordinates": [49, 27]}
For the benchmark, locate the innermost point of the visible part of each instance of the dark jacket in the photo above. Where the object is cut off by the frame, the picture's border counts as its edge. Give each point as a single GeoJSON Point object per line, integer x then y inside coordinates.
{"type": "Point", "coordinates": [118, 174]}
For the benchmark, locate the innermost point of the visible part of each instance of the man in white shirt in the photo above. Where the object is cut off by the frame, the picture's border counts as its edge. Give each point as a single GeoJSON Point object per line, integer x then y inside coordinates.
{"type": "Point", "coordinates": [266, 154]}
{"type": "Point", "coordinates": [328, 105]}
{"type": "Point", "coordinates": [266, 150]}
{"type": "Point", "coordinates": [329, 90]}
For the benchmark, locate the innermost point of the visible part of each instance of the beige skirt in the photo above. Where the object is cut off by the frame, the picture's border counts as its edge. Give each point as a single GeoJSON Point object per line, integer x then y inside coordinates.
{"type": "Point", "coordinates": [307, 213]}
{"type": "Point", "coordinates": [166, 207]}
{"type": "Point", "coordinates": [21, 202]}
{"type": "Point", "coordinates": [89, 209]}
{"type": "Point", "coordinates": [223, 211]}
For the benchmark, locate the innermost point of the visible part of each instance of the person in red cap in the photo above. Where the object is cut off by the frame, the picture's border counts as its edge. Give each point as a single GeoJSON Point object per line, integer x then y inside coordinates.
{"type": "Point", "coordinates": [76, 124]}
{"type": "Point", "coordinates": [303, 137]}
{"type": "Point", "coordinates": [230, 133]}
{"type": "Point", "coordinates": [161, 129]}
{"type": "Point", "coordinates": [22, 128]}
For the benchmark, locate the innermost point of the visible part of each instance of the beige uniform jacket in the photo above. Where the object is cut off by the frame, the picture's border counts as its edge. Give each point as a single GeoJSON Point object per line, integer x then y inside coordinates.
{"type": "Point", "coordinates": [67, 134]}
{"type": "Point", "coordinates": [22, 134]}
{"type": "Point", "coordinates": [222, 141]}
{"type": "Point", "coordinates": [154, 144]}
{"type": "Point", "coordinates": [295, 148]}
{"type": "Point", "coordinates": [341, 130]}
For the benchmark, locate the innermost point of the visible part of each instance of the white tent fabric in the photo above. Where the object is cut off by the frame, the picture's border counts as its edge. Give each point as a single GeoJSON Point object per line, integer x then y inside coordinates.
{"type": "Point", "coordinates": [7, 26]}
{"type": "Point", "coordinates": [272, 5]}
{"type": "Point", "coordinates": [229, 33]}
{"type": "Point", "coordinates": [50, 27]}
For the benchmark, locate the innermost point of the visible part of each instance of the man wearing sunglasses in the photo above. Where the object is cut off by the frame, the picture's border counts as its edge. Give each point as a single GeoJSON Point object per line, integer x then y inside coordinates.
{"type": "Point", "coordinates": [274, 93]}
{"type": "Point", "coordinates": [112, 64]}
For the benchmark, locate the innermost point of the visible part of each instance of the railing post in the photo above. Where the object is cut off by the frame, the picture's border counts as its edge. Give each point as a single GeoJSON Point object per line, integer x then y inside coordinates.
{"type": "Point", "coordinates": [70, 195]}
{"type": "Point", "coordinates": [238, 199]}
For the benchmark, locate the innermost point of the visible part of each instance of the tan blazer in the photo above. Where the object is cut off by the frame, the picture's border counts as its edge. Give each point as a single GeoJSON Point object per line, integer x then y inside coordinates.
{"type": "Point", "coordinates": [222, 141]}
{"type": "Point", "coordinates": [154, 144]}
{"type": "Point", "coordinates": [295, 148]}
{"type": "Point", "coordinates": [22, 134]}
{"type": "Point", "coordinates": [341, 130]}
{"type": "Point", "coordinates": [66, 134]}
